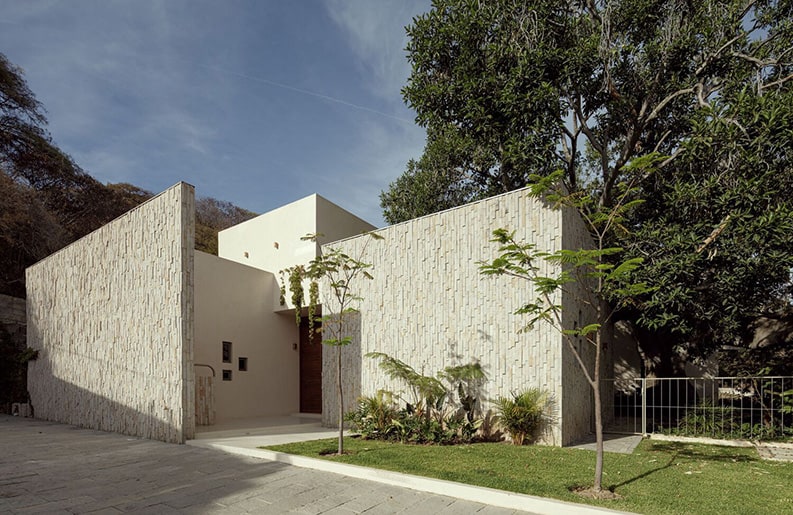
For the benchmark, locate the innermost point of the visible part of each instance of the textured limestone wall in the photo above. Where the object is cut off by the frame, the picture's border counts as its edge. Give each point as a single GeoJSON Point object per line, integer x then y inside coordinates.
{"type": "Point", "coordinates": [429, 306]}
{"type": "Point", "coordinates": [577, 409]}
{"type": "Point", "coordinates": [112, 318]}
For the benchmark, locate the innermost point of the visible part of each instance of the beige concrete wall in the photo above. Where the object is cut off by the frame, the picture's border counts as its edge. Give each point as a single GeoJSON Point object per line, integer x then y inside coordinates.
{"type": "Point", "coordinates": [233, 303]}
{"type": "Point", "coordinates": [429, 306]}
{"type": "Point", "coordinates": [111, 317]}
{"type": "Point", "coordinates": [272, 241]}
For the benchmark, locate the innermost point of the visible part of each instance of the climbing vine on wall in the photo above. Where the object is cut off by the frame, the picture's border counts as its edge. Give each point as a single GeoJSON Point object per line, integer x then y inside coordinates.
{"type": "Point", "coordinates": [313, 302]}
{"type": "Point", "coordinates": [282, 289]}
{"type": "Point", "coordinates": [296, 287]}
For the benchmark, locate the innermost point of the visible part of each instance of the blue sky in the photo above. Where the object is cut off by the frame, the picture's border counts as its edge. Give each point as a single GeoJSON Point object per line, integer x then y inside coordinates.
{"type": "Point", "coordinates": [255, 102]}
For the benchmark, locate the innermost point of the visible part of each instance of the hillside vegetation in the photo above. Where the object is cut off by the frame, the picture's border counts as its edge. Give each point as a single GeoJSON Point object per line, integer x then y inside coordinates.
{"type": "Point", "coordinates": [49, 201]}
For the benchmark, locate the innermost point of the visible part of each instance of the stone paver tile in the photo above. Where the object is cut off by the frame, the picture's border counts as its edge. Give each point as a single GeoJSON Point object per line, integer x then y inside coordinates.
{"type": "Point", "coordinates": [494, 510]}
{"type": "Point", "coordinates": [154, 509]}
{"type": "Point", "coordinates": [18, 502]}
{"type": "Point", "coordinates": [105, 511]}
{"type": "Point", "coordinates": [341, 510]}
{"type": "Point", "coordinates": [249, 505]}
{"type": "Point", "coordinates": [362, 502]}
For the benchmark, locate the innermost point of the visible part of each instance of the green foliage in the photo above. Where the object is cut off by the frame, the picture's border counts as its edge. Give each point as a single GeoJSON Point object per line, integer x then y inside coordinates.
{"type": "Point", "coordinates": [212, 215]}
{"type": "Point", "coordinates": [699, 90]}
{"type": "Point", "coordinates": [282, 288]}
{"type": "Point", "coordinates": [374, 416]}
{"type": "Point", "coordinates": [730, 422]}
{"type": "Point", "coordinates": [431, 416]}
{"type": "Point", "coordinates": [296, 275]}
{"type": "Point", "coordinates": [427, 391]}
{"type": "Point", "coordinates": [523, 414]}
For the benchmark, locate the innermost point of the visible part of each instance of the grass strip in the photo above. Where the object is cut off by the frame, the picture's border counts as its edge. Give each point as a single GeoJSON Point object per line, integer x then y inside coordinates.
{"type": "Point", "coordinates": [658, 478]}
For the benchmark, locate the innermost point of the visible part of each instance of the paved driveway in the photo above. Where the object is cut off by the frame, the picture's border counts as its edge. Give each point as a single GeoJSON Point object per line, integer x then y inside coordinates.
{"type": "Point", "coordinates": [54, 468]}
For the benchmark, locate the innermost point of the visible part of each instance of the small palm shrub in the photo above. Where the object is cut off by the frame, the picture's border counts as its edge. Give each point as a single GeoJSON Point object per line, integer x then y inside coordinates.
{"type": "Point", "coordinates": [522, 415]}
{"type": "Point", "coordinates": [374, 416]}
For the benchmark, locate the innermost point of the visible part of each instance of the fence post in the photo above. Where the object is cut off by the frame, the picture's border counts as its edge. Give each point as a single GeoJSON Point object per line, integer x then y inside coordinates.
{"type": "Point", "coordinates": [644, 406]}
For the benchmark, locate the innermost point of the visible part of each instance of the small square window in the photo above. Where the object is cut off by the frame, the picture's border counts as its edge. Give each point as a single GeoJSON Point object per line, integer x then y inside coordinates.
{"type": "Point", "coordinates": [226, 375]}
{"type": "Point", "coordinates": [226, 352]}
{"type": "Point", "coordinates": [243, 364]}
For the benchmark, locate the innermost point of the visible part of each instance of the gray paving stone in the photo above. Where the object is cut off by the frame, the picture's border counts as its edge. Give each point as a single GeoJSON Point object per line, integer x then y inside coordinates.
{"type": "Point", "coordinates": [54, 468]}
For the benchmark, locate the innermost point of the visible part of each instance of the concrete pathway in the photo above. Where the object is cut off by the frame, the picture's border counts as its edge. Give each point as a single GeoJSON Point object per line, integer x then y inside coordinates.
{"type": "Point", "coordinates": [54, 468]}
{"type": "Point", "coordinates": [622, 444]}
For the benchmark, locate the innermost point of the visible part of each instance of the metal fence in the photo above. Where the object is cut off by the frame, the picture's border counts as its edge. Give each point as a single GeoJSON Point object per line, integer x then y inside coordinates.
{"type": "Point", "coordinates": [753, 408]}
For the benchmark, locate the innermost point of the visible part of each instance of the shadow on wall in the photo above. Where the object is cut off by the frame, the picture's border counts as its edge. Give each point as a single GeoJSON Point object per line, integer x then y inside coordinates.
{"type": "Point", "coordinates": [71, 404]}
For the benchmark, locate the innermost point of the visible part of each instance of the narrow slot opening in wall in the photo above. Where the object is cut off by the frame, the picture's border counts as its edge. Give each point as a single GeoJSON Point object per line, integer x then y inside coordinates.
{"type": "Point", "coordinates": [226, 352]}
{"type": "Point", "coordinates": [243, 364]}
{"type": "Point", "coordinates": [226, 374]}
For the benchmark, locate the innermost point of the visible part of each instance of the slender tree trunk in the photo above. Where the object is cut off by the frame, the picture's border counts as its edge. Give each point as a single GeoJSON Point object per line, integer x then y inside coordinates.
{"type": "Point", "coordinates": [598, 414]}
{"type": "Point", "coordinates": [341, 400]}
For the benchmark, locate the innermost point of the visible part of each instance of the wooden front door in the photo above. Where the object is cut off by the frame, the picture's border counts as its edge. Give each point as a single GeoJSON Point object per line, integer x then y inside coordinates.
{"type": "Point", "coordinates": [310, 370]}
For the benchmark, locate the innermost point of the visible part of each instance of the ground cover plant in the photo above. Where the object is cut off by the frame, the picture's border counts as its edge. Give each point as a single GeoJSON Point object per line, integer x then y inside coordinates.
{"type": "Point", "coordinates": [658, 478]}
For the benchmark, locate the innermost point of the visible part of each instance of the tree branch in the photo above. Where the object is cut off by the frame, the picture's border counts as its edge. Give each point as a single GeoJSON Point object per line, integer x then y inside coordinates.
{"type": "Point", "coordinates": [714, 234]}
{"type": "Point", "coordinates": [777, 83]}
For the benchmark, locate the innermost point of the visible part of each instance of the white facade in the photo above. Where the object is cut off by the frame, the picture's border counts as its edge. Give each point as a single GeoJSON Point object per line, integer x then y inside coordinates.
{"type": "Point", "coordinates": [134, 299]}
{"type": "Point", "coordinates": [233, 304]}
{"type": "Point", "coordinates": [272, 241]}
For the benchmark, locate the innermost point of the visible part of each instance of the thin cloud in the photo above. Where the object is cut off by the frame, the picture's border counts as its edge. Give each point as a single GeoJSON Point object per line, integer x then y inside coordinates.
{"type": "Point", "coordinates": [375, 33]}
{"type": "Point", "coordinates": [307, 92]}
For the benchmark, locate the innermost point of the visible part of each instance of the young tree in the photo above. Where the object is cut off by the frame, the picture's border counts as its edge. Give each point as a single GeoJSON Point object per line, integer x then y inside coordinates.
{"type": "Point", "coordinates": [512, 88]}
{"type": "Point", "coordinates": [338, 274]}
{"type": "Point", "coordinates": [601, 274]}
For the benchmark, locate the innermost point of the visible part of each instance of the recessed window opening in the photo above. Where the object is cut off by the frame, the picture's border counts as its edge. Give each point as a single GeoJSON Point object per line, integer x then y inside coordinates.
{"type": "Point", "coordinates": [243, 364]}
{"type": "Point", "coordinates": [226, 352]}
{"type": "Point", "coordinates": [226, 374]}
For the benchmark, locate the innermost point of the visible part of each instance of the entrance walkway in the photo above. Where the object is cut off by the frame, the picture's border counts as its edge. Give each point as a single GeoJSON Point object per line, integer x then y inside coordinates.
{"type": "Point", "coordinates": [55, 468]}
{"type": "Point", "coordinates": [47, 467]}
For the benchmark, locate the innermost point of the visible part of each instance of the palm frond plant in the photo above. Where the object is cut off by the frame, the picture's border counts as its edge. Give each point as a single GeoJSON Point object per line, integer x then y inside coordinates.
{"type": "Point", "coordinates": [522, 414]}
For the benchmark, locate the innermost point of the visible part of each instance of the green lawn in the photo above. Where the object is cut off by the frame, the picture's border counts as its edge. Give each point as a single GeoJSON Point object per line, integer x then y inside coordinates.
{"type": "Point", "coordinates": [659, 477]}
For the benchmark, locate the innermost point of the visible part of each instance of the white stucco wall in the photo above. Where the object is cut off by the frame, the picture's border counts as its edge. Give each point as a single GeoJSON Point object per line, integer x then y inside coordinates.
{"type": "Point", "coordinates": [429, 306]}
{"type": "Point", "coordinates": [272, 241]}
{"type": "Point", "coordinates": [111, 317]}
{"type": "Point", "coordinates": [233, 303]}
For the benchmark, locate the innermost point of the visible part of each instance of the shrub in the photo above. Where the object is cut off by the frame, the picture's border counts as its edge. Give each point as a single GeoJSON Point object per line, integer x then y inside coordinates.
{"type": "Point", "coordinates": [523, 414]}
{"type": "Point", "coordinates": [724, 421]}
{"type": "Point", "coordinates": [431, 416]}
{"type": "Point", "coordinates": [374, 416]}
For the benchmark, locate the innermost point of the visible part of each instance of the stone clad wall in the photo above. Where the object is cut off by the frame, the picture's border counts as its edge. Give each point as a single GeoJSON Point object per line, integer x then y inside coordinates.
{"type": "Point", "coordinates": [579, 310]}
{"type": "Point", "coordinates": [429, 306]}
{"type": "Point", "coordinates": [112, 318]}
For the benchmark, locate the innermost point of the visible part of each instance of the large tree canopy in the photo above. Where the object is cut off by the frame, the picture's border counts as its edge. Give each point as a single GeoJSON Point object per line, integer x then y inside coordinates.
{"type": "Point", "coordinates": [508, 88]}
